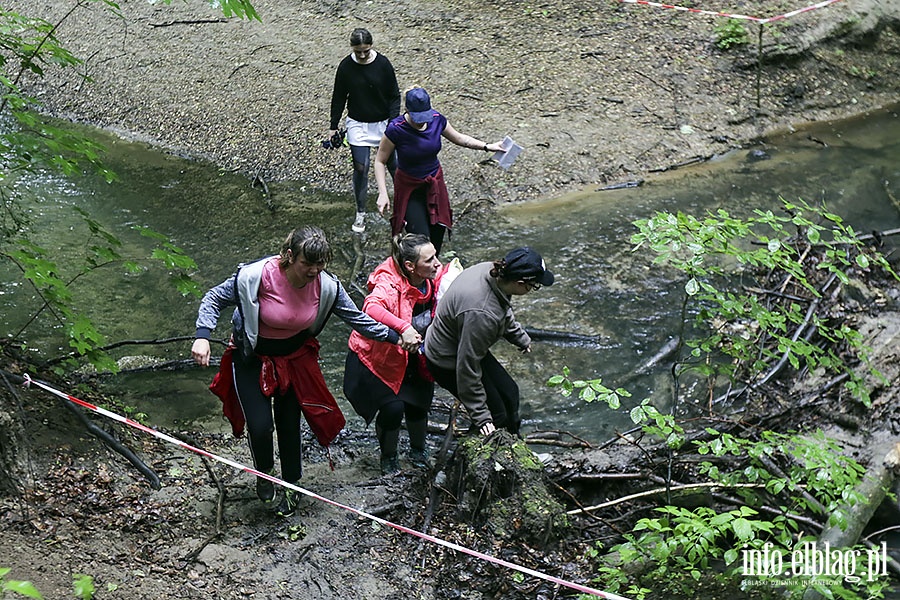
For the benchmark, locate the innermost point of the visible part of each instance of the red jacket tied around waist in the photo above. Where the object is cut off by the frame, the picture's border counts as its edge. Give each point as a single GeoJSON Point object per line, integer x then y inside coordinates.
{"type": "Point", "coordinates": [299, 372]}
{"type": "Point", "coordinates": [437, 199]}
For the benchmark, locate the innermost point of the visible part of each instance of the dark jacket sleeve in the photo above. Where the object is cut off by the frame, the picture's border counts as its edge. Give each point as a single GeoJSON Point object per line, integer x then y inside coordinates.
{"type": "Point", "coordinates": [392, 91]}
{"type": "Point", "coordinates": [338, 96]}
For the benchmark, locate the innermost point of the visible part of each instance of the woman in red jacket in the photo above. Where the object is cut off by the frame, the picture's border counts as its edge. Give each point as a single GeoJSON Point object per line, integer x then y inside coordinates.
{"type": "Point", "coordinates": [382, 379]}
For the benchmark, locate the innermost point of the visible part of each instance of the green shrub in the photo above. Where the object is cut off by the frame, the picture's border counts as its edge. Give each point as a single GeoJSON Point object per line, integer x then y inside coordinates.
{"type": "Point", "coordinates": [731, 33]}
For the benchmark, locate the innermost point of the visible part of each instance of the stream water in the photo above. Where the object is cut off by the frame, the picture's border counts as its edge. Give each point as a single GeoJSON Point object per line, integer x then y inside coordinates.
{"type": "Point", "coordinates": [604, 290]}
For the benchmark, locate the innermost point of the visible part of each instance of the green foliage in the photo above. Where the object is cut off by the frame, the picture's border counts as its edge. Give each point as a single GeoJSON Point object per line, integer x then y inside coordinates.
{"type": "Point", "coordinates": [658, 424]}
{"type": "Point", "coordinates": [589, 390]}
{"type": "Point", "coordinates": [29, 144]}
{"type": "Point", "coordinates": [731, 33]}
{"type": "Point", "coordinates": [753, 333]}
{"type": "Point", "coordinates": [682, 544]}
{"type": "Point", "coordinates": [742, 334]}
{"type": "Point", "coordinates": [102, 250]}
{"type": "Point", "coordinates": [29, 44]}
{"type": "Point", "coordinates": [22, 588]}
{"type": "Point", "coordinates": [818, 479]}
{"type": "Point", "coordinates": [84, 586]}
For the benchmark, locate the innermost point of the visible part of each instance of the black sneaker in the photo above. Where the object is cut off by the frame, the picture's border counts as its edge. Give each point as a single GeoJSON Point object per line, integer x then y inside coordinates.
{"type": "Point", "coordinates": [265, 489]}
{"type": "Point", "coordinates": [289, 503]}
{"type": "Point", "coordinates": [390, 465]}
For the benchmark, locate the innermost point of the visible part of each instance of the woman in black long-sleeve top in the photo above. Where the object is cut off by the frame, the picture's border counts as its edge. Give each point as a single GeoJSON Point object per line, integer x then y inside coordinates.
{"type": "Point", "coordinates": [366, 84]}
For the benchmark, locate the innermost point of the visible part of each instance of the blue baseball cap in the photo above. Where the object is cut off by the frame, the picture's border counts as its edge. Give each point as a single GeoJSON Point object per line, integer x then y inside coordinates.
{"type": "Point", "coordinates": [418, 105]}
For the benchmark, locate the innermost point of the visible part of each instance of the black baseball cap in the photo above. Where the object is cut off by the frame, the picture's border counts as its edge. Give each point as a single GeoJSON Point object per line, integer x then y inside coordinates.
{"type": "Point", "coordinates": [525, 263]}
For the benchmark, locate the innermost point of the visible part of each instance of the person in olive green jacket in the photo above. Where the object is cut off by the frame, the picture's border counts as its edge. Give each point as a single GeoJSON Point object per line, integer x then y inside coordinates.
{"type": "Point", "coordinates": [471, 316]}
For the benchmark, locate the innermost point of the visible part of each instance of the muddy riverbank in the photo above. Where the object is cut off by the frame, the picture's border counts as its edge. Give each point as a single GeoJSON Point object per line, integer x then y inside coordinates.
{"type": "Point", "coordinates": [596, 93]}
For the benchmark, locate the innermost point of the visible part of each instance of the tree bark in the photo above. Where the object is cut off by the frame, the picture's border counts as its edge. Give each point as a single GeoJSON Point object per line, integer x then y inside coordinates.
{"type": "Point", "coordinates": [873, 488]}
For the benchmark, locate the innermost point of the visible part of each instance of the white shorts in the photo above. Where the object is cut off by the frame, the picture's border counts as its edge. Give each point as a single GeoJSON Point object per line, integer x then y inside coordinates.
{"type": "Point", "coordinates": [365, 134]}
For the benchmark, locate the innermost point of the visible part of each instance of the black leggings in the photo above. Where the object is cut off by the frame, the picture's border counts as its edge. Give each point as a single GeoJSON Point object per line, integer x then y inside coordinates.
{"type": "Point", "coordinates": [390, 415]}
{"type": "Point", "coordinates": [258, 412]}
{"type": "Point", "coordinates": [417, 220]}
{"type": "Point", "coordinates": [501, 390]}
{"type": "Point", "coordinates": [361, 160]}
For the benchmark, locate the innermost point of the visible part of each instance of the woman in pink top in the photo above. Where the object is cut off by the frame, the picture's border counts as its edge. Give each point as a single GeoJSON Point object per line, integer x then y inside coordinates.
{"type": "Point", "coordinates": [387, 380]}
{"type": "Point", "coordinates": [270, 373]}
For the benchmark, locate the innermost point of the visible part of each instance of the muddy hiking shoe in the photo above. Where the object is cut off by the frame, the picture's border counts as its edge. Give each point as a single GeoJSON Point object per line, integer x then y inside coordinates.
{"type": "Point", "coordinates": [265, 489]}
{"type": "Point", "coordinates": [289, 503]}
{"type": "Point", "coordinates": [390, 464]}
{"type": "Point", "coordinates": [419, 458]}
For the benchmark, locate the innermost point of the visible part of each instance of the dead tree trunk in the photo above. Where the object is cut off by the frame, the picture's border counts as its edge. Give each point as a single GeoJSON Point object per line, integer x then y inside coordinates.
{"type": "Point", "coordinates": [500, 485]}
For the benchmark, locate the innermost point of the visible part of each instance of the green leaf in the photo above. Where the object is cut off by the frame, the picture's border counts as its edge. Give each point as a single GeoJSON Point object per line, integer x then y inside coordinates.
{"type": "Point", "coordinates": [637, 415]}
{"type": "Point", "coordinates": [813, 235]}
{"type": "Point", "coordinates": [691, 287]}
{"type": "Point", "coordinates": [23, 588]}
{"type": "Point", "coordinates": [83, 586]}
{"type": "Point", "coordinates": [742, 529]}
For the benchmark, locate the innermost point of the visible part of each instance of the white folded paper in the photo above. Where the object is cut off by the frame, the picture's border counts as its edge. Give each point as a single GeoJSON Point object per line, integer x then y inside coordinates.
{"type": "Point", "coordinates": [510, 151]}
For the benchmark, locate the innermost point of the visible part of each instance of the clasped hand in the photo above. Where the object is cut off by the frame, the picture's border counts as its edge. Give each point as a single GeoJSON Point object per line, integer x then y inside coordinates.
{"type": "Point", "coordinates": [410, 340]}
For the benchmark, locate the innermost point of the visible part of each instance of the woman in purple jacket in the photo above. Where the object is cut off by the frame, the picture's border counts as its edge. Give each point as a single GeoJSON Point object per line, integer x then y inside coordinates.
{"type": "Point", "coordinates": [421, 202]}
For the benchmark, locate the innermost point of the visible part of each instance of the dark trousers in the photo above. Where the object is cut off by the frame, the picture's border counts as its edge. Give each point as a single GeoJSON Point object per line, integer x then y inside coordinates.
{"type": "Point", "coordinates": [390, 415]}
{"type": "Point", "coordinates": [361, 159]}
{"type": "Point", "coordinates": [417, 220]}
{"type": "Point", "coordinates": [501, 390]}
{"type": "Point", "coordinates": [264, 415]}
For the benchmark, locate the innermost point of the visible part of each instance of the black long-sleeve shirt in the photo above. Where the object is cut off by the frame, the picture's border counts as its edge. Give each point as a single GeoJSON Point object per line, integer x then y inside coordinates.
{"type": "Point", "coordinates": [370, 92]}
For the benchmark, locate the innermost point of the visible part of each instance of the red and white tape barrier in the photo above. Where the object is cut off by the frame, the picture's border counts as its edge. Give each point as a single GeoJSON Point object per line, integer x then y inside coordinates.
{"type": "Point", "coordinates": [713, 13]}
{"type": "Point", "coordinates": [430, 538]}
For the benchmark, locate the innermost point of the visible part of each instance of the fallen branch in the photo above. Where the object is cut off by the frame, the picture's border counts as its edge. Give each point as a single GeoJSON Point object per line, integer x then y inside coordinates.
{"type": "Point", "coordinates": [220, 503]}
{"type": "Point", "coordinates": [440, 461]}
{"type": "Point", "coordinates": [119, 344]}
{"type": "Point", "coordinates": [108, 439]}
{"type": "Point", "coordinates": [547, 335]}
{"type": "Point", "coordinates": [258, 178]}
{"type": "Point", "coordinates": [384, 509]}
{"type": "Point", "coordinates": [539, 441]}
{"type": "Point", "coordinates": [188, 22]}
{"type": "Point", "coordinates": [851, 519]}
{"type": "Point", "coordinates": [181, 364]}
{"type": "Point", "coordinates": [555, 438]}
{"type": "Point", "coordinates": [659, 491]}
{"type": "Point", "coordinates": [577, 478]}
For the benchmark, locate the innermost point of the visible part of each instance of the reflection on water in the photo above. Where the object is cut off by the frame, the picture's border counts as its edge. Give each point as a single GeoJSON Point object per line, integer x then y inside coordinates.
{"type": "Point", "coordinates": [604, 289]}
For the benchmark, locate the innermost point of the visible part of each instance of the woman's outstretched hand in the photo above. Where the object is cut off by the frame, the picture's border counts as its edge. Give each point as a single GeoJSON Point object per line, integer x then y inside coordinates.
{"type": "Point", "coordinates": [200, 352]}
